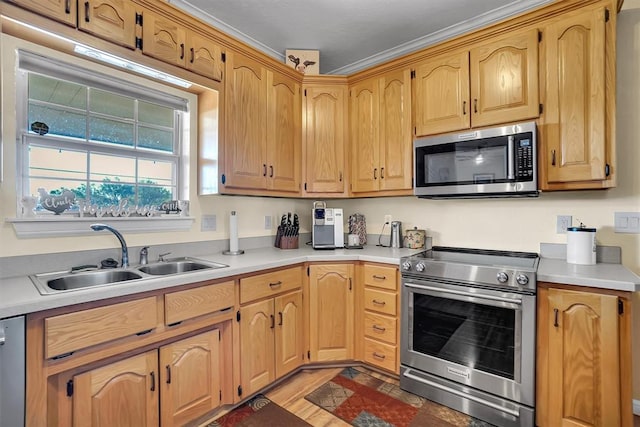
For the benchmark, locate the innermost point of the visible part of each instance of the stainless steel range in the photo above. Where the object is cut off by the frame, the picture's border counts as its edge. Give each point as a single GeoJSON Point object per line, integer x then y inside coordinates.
{"type": "Point", "coordinates": [468, 331]}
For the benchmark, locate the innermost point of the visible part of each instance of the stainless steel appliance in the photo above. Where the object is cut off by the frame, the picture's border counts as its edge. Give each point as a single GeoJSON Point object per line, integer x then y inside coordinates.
{"type": "Point", "coordinates": [328, 227]}
{"type": "Point", "coordinates": [395, 240]}
{"type": "Point", "coordinates": [468, 331]}
{"type": "Point", "coordinates": [495, 162]}
{"type": "Point", "coordinates": [12, 371]}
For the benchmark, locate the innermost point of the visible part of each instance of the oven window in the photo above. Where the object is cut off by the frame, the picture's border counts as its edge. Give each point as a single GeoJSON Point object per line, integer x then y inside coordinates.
{"type": "Point", "coordinates": [478, 336]}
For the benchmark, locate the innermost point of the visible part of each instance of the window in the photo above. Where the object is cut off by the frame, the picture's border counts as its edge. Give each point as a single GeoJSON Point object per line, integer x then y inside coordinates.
{"type": "Point", "coordinates": [107, 141]}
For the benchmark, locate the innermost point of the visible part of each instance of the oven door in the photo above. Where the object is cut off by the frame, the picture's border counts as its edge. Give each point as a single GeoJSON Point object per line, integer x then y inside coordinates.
{"type": "Point", "coordinates": [476, 337]}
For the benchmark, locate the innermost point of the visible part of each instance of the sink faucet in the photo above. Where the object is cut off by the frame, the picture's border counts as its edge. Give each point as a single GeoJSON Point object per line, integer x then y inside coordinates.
{"type": "Point", "coordinates": [125, 251]}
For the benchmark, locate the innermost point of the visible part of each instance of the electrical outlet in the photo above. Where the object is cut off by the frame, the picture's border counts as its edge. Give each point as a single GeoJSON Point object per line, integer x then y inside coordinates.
{"type": "Point", "coordinates": [208, 223]}
{"type": "Point", "coordinates": [562, 223]}
{"type": "Point", "coordinates": [387, 219]}
{"type": "Point", "coordinates": [267, 222]}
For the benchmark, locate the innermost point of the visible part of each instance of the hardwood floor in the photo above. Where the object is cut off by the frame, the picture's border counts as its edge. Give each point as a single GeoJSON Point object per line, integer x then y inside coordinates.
{"type": "Point", "coordinates": [290, 395]}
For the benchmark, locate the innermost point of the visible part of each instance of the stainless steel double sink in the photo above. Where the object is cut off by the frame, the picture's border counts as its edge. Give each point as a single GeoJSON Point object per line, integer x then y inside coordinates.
{"type": "Point", "coordinates": [63, 281]}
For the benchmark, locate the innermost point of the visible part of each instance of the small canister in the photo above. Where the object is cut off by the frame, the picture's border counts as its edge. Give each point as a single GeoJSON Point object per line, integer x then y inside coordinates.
{"type": "Point", "coordinates": [414, 239]}
{"type": "Point", "coordinates": [581, 245]}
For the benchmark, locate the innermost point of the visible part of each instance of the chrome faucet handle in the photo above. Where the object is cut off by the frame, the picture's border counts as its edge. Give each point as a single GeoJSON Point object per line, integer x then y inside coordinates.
{"type": "Point", "coordinates": [161, 256]}
{"type": "Point", "coordinates": [144, 255]}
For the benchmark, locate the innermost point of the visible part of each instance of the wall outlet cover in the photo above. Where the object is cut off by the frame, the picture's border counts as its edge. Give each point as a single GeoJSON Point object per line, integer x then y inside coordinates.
{"type": "Point", "coordinates": [208, 223]}
{"type": "Point", "coordinates": [562, 223]}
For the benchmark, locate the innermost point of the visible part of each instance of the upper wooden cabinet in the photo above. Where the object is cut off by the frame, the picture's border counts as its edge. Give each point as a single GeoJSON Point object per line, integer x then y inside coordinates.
{"type": "Point", "coordinates": [381, 138]}
{"type": "Point", "coordinates": [165, 39]}
{"type": "Point", "coordinates": [576, 142]}
{"type": "Point", "coordinates": [583, 357]}
{"type": "Point", "coordinates": [325, 139]}
{"type": "Point", "coordinates": [491, 83]}
{"type": "Point", "coordinates": [113, 20]}
{"type": "Point", "coordinates": [262, 129]}
{"type": "Point", "coordinates": [60, 10]}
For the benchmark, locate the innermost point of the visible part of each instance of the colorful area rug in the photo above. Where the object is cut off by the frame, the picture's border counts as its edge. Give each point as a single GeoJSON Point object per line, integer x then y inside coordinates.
{"type": "Point", "coordinates": [366, 401]}
{"type": "Point", "coordinates": [259, 412]}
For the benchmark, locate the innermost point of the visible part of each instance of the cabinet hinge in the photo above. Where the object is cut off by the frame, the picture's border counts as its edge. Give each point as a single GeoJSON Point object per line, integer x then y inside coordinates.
{"type": "Point", "coordinates": [138, 43]}
{"type": "Point", "coordinates": [238, 315]}
{"type": "Point", "coordinates": [540, 108]}
{"type": "Point", "coordinates": [138, 19]}
{"type": "Point", "coordinates": [223, 179]}
{"type": "Point", "coordinates": [607, 170]}
{"type": "Point", "coordinates": [70, 388]}
{"type": "Point", "coordinates": [620, 306]}
{"type": "Point", "coordinates": [539, 36]}
{"type": "Point", "coordinates": [224, 57]}
{"type": "Point", "coordinates": [606, 15]}
{"type": "Point", "coordinates": [239, 390]}
{"type": "Point", "coordinates": [413, 74]}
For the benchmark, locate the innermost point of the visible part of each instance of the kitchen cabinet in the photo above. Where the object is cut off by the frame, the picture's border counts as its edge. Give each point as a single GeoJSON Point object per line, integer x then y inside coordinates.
{"type": "Point", "coordinates": [262, 128]}
{"type": "Point", "coordinates": [331, 314]}
{"type": "Point", "coordinates": [325, 138]}
{"type": "Point", "coordinates": [381, 136]}
{"type": "Point", "coordinates": [134, 391]}
{"type": "Point", "coordinates": [112, 20]}
{"type": "Point", "coordinates": [271, 329]}
{"type": "Point", "coordinates": [61, 10]}
{"type": "Point", "coordinates": [167, 40]}
{"type": "Point", "coordinates": [490, 83]}
{"type": "Point", "coordinates": [576, 136]}
{"type": "Point", "coordinates": [378, 311]}
{"type": "Point", "coordinates": [583, 357]}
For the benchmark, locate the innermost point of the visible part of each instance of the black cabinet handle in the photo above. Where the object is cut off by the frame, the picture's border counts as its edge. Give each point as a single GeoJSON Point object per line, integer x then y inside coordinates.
{"type": "Point", "coordinates": [280, 321]}
{"type": "Point", "coordinates": [375, 301]}
{"type": "Point", "coordinates": [86, 11]}
{"type": "Point", "coordinates": [350, 285]}
{"type": "Point", "coordinates": [264, 169]}
{"type": "Point", "coordinates": [271, 171]}
{"type": "Point", "coordinates": [375, 276]}
{"type": "Point", "coordinates": [340, 176]}
{"type": "Point", "coordinates": [168, 374]}
{"type": "Point", "coordinates": [67, 6]}
{"type": "Point", "coordinates": [555, 317]}
{"type": "Point", "coordinates": [275, 284]}
{"type": "Point", "coordinates": [379, 356]}
{"type": "Point", "coordinates": [475, 105]}
{"type": "Point", "coordinates": [464, 108]}
{"type": "Point", "coordinates": [381, 173]}
{"type": "Point", "coordinates": [553, 157]}
{"type": "Point", "coordinates": [181, 50]}
{"type": "Point", "coordinates": [379, 328]}
{"type": "Point", "coordinates": [153, 381]}
{"type": "Point", "coordinates": [375, 173]}
{"type": "Point", "coordinates": [273, 321]}
{"type": "Point", "coordinates": [192, 58]}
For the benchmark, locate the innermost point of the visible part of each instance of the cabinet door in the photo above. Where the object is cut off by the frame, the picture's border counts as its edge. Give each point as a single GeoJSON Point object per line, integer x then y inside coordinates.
{"type": "Point", "coordinates": [245, 142]}
{"type": "Point", "coordinates": [396, 138]}
{"type": "Point", "coordinates": [365, 144]}
{"type": "Point", "coordinates": [204, 57]}
{"type": "Point", "coordinates": [441, 93]}
{"type": "Point", "coordinates": [284, 133]}
{"type": "Point", "coordinates": [190, 378]}
{"type": "Point", "coordinates": [325, 112]}
{"type": "Point", "coordinates": [113, 20]}
{"type": "Point", "coordinates": [257, 324]}
{"type": "Point", "coordinates": [574, 118]}
{"type": "Point", "coordinates": [584, 381]}
{"type": "Point", "coordinates": [289, 333]}
{"type": "Point", "coordinates": [504, 80]}
{"type": "Point", "coordinates": [124, 393]}
{"type": "Point", "coordinates": [60, 10]}
{"type": "Point", "coordinates": [163, 39]}
{"type": "Point", "coordinates": [331, 312]}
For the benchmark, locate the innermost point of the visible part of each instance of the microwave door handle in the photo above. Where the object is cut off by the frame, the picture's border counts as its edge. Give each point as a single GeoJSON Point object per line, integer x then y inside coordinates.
{"type": "Point", "coordinates": [511, 145]}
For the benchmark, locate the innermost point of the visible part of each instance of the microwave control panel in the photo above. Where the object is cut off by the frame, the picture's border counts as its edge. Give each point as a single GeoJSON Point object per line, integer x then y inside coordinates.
{"type": "Point", "coordinates": [524, 156]}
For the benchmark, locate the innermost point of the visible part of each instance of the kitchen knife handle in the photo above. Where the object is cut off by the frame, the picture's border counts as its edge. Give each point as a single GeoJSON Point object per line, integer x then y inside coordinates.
{"type": "Point", "coordinates": [553, 157]}
{"type": "Point", "coordinates": [555, 317]}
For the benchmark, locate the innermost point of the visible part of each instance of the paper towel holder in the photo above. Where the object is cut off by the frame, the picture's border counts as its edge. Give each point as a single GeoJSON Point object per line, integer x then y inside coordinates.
{"type": "Point", "coordinates": [238, 252]}
{"type": "Point", "coordinates": [233, 225]}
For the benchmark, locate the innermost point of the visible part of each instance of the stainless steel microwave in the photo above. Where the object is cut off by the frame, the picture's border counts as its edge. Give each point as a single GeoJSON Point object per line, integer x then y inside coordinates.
{"type": "Point", "coordinates": [493, 162]}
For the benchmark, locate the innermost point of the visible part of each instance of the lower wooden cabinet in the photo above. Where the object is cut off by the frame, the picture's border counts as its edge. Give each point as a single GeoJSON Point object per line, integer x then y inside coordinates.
{"type": "Point", "coordinates": [583, 357]}
{"type": "Point", "coordinates": [182, 379]}
{"type": "Point", "coordinates": [331, 312]}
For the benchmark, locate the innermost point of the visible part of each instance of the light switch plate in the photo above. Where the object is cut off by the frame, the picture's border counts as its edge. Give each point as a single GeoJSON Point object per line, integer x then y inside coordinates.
{"type": "Point", "coordinates": [208, 223]}
{"type": "Point", "coordinates": [626, 222]}
{"type": "Point", "coordinates": [562, 223]}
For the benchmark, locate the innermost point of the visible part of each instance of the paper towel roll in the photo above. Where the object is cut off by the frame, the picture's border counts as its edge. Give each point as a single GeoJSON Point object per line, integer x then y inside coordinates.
{"type": "Point", "coordinates": [233, 232]}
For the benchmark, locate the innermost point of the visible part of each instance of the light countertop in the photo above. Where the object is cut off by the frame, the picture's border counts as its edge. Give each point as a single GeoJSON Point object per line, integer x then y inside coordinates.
{"type": "Point", "coordinates": [18, 295]}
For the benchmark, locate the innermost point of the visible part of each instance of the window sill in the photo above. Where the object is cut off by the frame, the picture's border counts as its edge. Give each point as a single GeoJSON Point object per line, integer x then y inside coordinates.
{"type": "Point", "coordinates": [40, 227]}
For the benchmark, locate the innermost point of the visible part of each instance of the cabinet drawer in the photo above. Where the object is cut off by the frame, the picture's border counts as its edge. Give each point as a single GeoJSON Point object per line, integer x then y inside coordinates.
{"type": "Point", "coordinates": [182, 305]}
{"type": "Point", "coordinates": [74, 331]}
{"type": "Point", "coordinates": [380, 354]}
{"type": "Point", "coordinates": [380, 301]}
{"type": "Point", "coordinates": [268, 284]}
{"type": "Point", "coordinates": [381, 277]}
{"type": "Point", "coordinates": [380, 327]}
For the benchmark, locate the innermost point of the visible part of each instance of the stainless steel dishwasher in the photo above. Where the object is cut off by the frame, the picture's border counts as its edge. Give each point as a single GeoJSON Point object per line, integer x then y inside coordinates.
{"type": "Point", "coordinates": [12, 371]}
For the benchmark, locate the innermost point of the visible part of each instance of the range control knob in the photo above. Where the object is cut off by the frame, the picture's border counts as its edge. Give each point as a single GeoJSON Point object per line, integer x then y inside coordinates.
{"type": "Point", "coordinates": [420, 267]}
{"type": "Point", "coordinates": [406, 265]}
{"type": "Point", "coordinates": [502, 277]}
{"type": "Point", "coordinates": [522, 279]}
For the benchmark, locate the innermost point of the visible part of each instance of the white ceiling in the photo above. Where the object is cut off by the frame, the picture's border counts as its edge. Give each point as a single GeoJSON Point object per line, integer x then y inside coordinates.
{"type": "Point", "coordinates": [350, 34]}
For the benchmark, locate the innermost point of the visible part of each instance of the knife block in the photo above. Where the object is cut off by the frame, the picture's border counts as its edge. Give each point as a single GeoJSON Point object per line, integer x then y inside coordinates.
{"type": "Point", "coordinates": [285, 242]}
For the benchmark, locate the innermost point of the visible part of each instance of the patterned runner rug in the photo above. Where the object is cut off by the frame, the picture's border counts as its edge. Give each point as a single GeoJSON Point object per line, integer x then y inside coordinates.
{"type": "Point", "coordinates": [259, 412]}
{"type": "Point", "coordinates": [363, 400]}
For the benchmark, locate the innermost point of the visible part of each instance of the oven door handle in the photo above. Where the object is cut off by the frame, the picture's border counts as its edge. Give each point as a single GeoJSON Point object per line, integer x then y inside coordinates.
{"type": "Point", "coordinates": [474, 297]}
{"type": "Point", "coordinates": [476, 399]}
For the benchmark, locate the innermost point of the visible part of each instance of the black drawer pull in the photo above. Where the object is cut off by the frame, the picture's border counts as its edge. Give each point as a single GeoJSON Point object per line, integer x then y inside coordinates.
{"type": "Point", "coordinates": [379, 356]}
{"type": "Point", "coordinates": [375, 301]}
{"type": "Point", "coordinates": [379, 328]}
{"type": "Point", "coordinates": [375, 276]}
{"type": "Point", "coordinates": [276, 284]}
